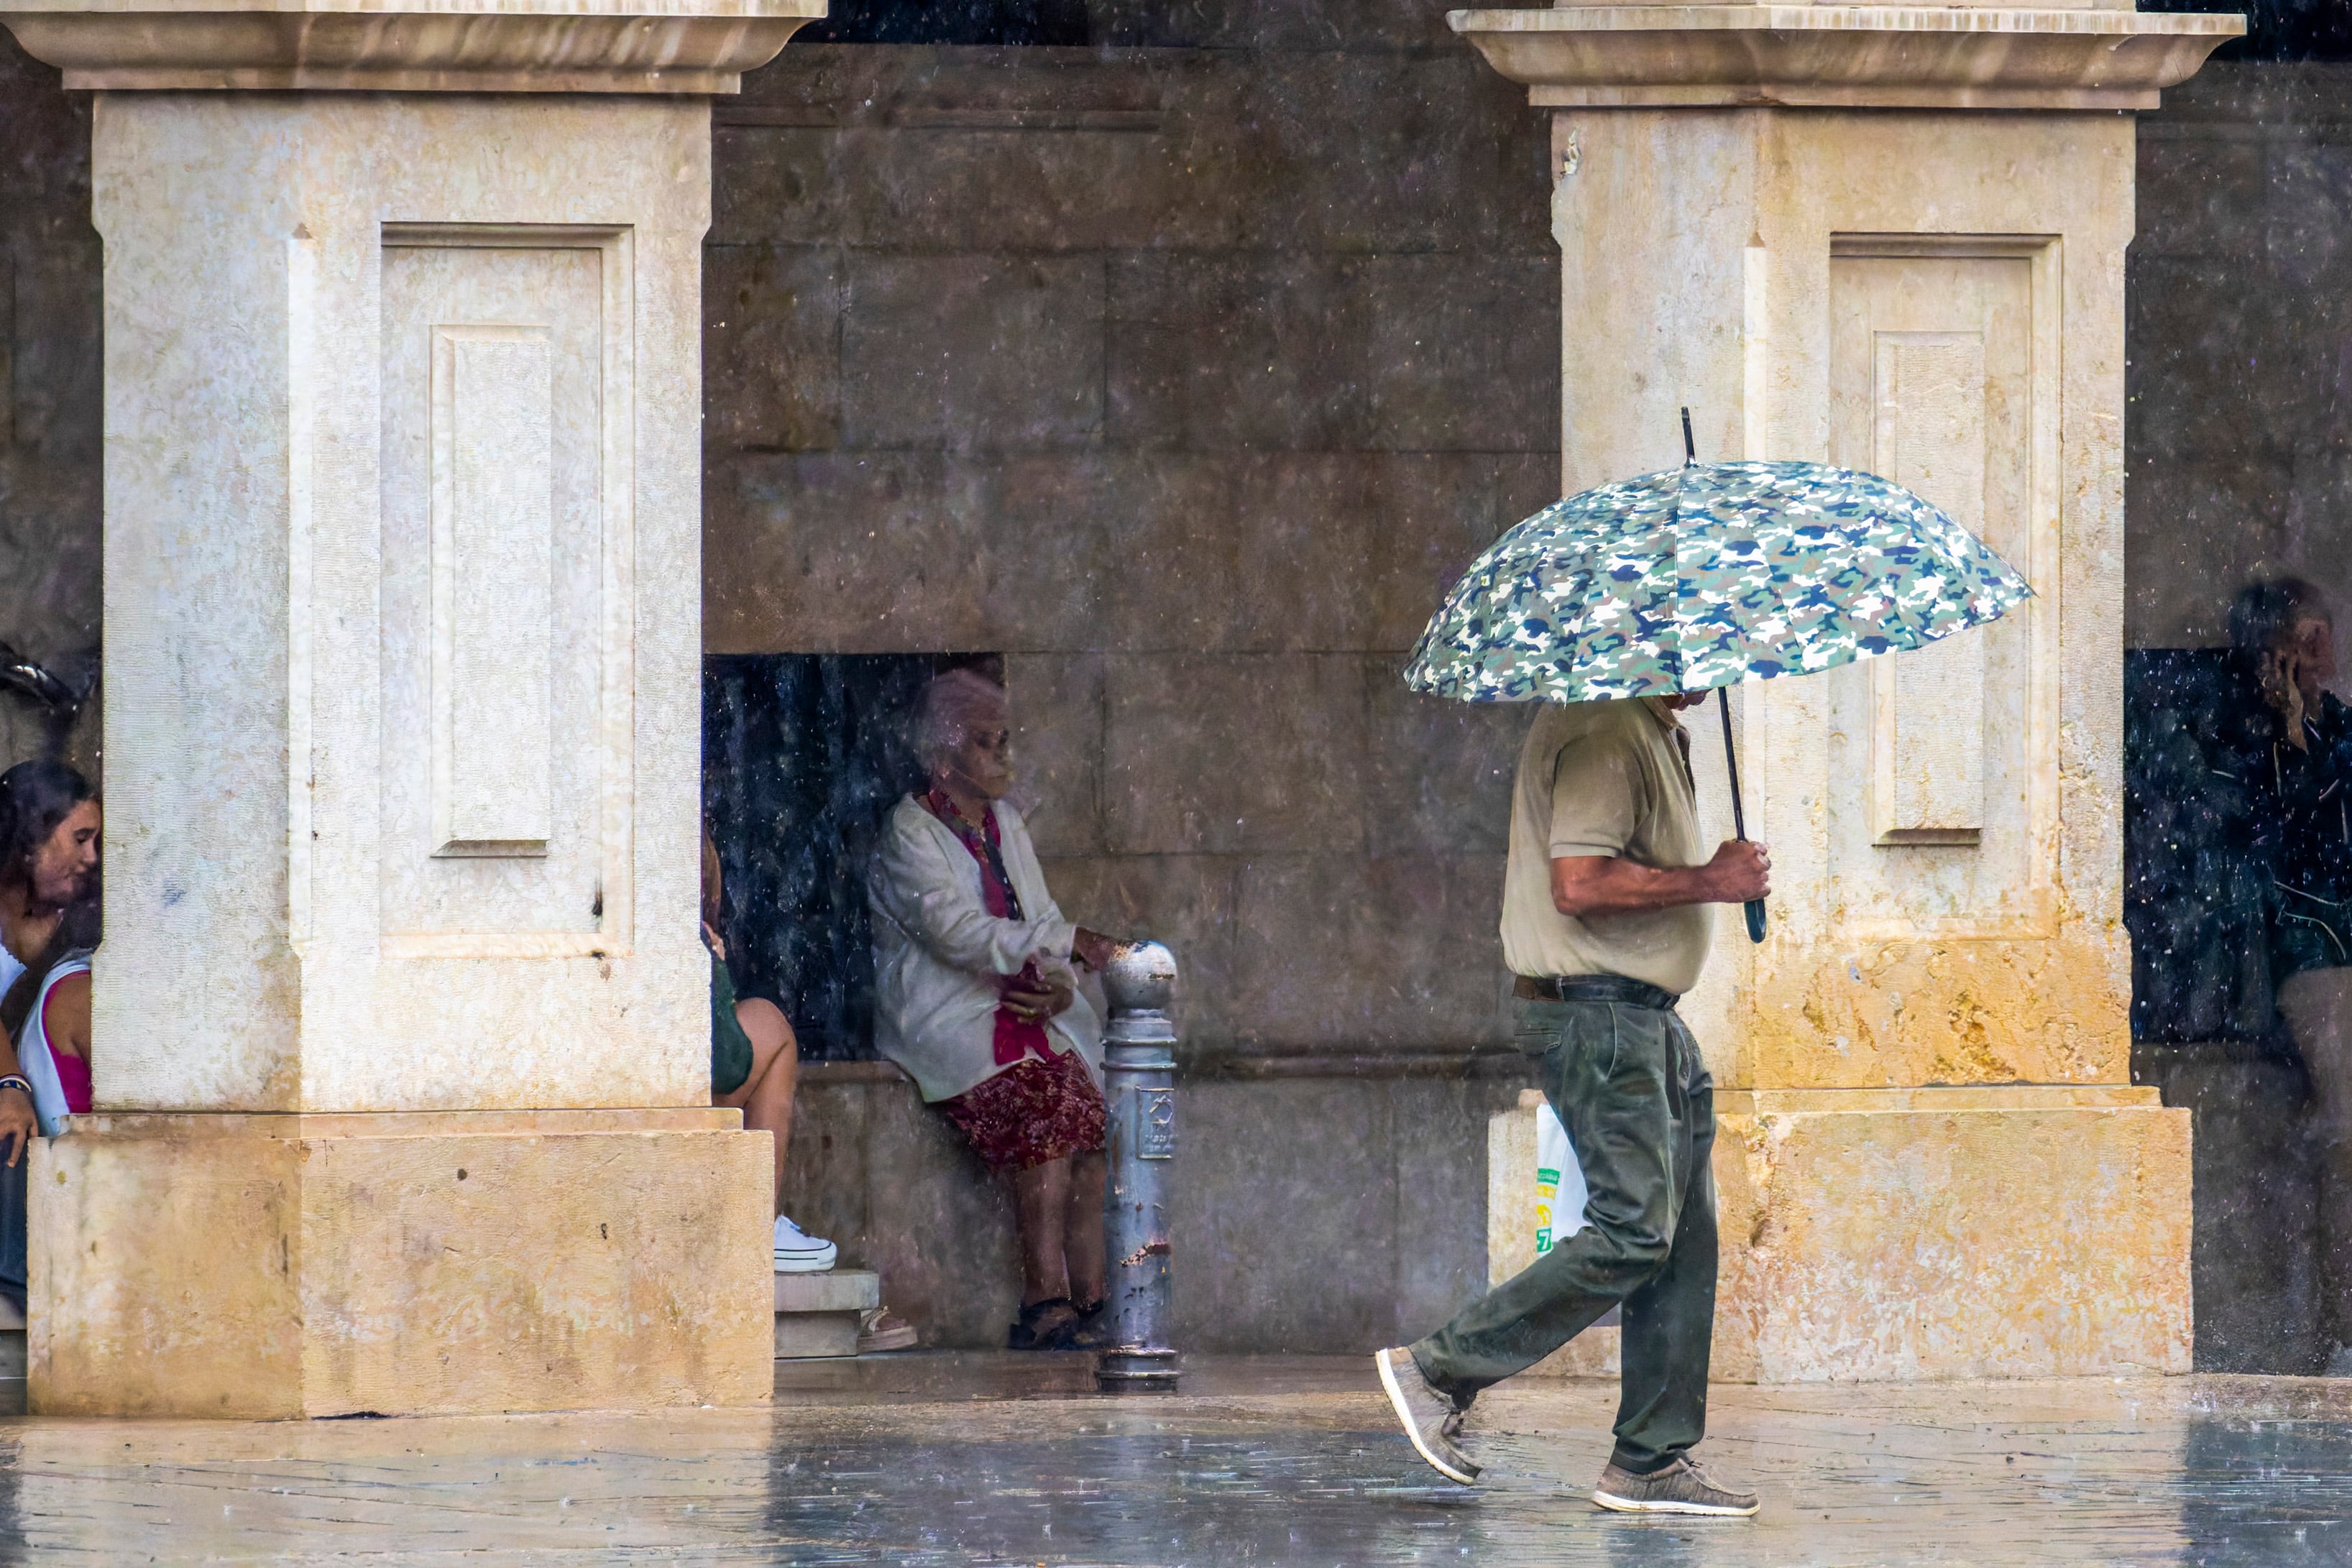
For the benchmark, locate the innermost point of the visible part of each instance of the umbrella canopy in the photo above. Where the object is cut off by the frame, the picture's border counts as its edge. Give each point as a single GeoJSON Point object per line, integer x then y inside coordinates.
{"type": "Point", "coordinates": [1706, 576]}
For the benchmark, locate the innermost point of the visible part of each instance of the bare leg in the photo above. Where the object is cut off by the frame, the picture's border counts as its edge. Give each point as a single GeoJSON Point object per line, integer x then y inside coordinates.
{"type": "Point", "coordinates": [1082, 1228]}
{"type": "Point", "coordinates": [765, 1098]}
{"type": "Point", "coordinates": [1040, 1195]}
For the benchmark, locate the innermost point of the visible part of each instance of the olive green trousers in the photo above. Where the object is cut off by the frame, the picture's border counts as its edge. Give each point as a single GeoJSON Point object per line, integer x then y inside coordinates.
{"type": "Point", "coordinates": [1633, 1093]}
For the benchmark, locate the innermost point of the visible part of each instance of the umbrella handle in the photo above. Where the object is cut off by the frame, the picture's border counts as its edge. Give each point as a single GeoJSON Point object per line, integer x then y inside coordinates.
{"type": "Point", "coordinates": [1755, 906]}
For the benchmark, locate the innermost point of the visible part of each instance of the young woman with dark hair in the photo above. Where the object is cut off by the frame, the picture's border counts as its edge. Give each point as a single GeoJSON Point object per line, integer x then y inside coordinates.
{"type": "Point", "coordinates": [48, 926]}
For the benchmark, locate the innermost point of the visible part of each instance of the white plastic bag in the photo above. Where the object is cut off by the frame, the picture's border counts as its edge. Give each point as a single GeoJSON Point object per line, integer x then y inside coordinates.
{"type": "Point", "coordinates": [1559, 1183]}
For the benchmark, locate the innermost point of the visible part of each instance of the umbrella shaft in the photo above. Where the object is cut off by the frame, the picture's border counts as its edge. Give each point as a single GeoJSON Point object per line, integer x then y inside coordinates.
{"type": "Point", "coordinates": [1731, 761]}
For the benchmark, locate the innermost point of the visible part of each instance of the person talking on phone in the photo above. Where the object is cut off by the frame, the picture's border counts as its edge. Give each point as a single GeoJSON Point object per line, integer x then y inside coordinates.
{"type": "Point", "coordinates": [2291, 752]}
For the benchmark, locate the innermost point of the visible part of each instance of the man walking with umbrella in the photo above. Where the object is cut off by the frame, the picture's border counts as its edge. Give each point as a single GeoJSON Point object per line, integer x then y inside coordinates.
{"type": "Point", "coordinates": [1605, 922]}
{"type": "Point", "coordinates": [1617, 609]}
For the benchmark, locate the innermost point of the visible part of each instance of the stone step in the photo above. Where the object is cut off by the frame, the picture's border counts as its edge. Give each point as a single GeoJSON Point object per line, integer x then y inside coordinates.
{"type": "Point", "coordinates": [816, 1314]}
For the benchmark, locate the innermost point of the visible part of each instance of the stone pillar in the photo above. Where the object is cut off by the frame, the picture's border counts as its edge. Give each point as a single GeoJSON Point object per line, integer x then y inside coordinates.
{"type": "Point", "coordinates": [402, 1020]}
{"type": "Point", "coordinates": [1893, 239]}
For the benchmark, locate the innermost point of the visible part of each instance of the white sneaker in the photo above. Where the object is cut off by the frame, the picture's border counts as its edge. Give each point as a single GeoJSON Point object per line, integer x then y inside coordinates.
{"type": "Point", "coordinates": [799, 1253]}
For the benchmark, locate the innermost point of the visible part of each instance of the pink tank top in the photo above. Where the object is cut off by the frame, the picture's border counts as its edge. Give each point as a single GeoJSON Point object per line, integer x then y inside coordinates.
{"type": "Point", "coordinates": [73, 1071]}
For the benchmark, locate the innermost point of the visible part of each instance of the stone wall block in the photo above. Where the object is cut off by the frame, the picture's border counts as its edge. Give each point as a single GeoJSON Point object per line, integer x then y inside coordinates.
{"type": "Point", "coordinates": [1242, 753]}
{"type": "Point", "coordinates": [777, 185]}
{"type": "Point", "coordinates": [2308, 187]}
{"type": "Point", "coordinates": [1440, 1134]}
{"type": "Point", "coordinates": [1057, 728]}
{"type": "Point", "coordinates": [1061, 178]}
{"type": "Point", "coordinates": [972, 353]}
{"type": "Point", "coordinates": [940, 1231]}
{"type": "Point", "coordinates": [825, 1188]}
{"type": "Point", "coordinates": [1438, 776]}
{"type": "Point", "coordinates": [1432, 514]}
{"type": "Point", "coordinates": [1252, 1247]}
{"type": "Point", "coordinates": [1369, 152]}
{"type": "Point", "coordinates": [945, 150]}
{"type": "Point", "coordinates": [1384, 952]}
{"type": "Point", "coordinates": [2225, 368]}
{"type": "Point", "coordinates": [1299, 24]}
{"type": "Point", "coordinates": [1321, 1216]}
{"type": "Point", "coordinates": [796, 545]}
{"type": "Point", "coordinates": [770, 347]}
{"type": "Point", "coordinates": [1052, 563]}
{"type": "Point", "coordinates": [1411, 353]}
{"type": "Point", "coordinates": [907, 551]}
{"type": "Point", "coordinates": [1117, 550]}
{"type": "Point", "coordinates": [2255, 1259]}
{"type": "Point", "coordinates": [1185, 901]}
{"type": "Point", "coordinates": [2195, 529]}
{"type": "Point", "coordinates": [54, 384]}
{"type": "Point", "coordinates": [2200, 194]}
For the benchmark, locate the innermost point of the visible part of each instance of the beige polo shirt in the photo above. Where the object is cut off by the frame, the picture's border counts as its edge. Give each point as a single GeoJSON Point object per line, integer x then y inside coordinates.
{"type": "Point", "coordinates": [1603, 779]}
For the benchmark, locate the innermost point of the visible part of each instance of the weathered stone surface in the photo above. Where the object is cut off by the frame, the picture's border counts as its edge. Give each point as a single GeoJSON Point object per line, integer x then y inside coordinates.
{"type": "Point", "coordinates": [879, 549]}
{"type": "Point", "coordinates": [2257, 1255]}
{"type": "Point", "coordinates": [269, 921]}
{"type": "Point", "coordinates": [1112, 550]}
{"type": "Point", "coordinates": [1317, 1216]}
{"type": "Point", "coordinates": [2199, 194]}
{"type": "Point", "coordinates": [972, 353]}
{"type": "Point", "coordinates": [1438, 774]}
{"type": "Point", "coordinates": [2009, 1232]}
{"type": "Point", "coordinates": [49, 413]}
{"type": "Point", "coordinates": [1077, 151]}
{"type": "Point", "coordinates": [2016, 1234]}
{"type": "Point", "coordinates": [1058, 739]}
{"type": "Point", "coordinates": [1378, 951]}
{"type": "Point", "coordinates": [2200, 392]}
{"type": "Point", "coordinates": [1241, 785]}
{"type": "Point", "coordinates": [1285, 25]}
{"type": "Point", "coordinates": [771, 348]}
{"type": "Point", "coordinates": [1289, 349]}
{"type": "Point", "coordinates": [2198, 528]}
{"type": "Point", "coordinates": [284, 1266]}
{"type": "Point", "coordinates": [2239, 375]}
{"type": "Point", "coordinates": [1188, 902]}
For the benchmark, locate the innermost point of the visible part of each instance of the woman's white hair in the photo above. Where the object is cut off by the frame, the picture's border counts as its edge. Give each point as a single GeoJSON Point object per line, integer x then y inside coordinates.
{"type": "Point", "coordinates": [953, 705]}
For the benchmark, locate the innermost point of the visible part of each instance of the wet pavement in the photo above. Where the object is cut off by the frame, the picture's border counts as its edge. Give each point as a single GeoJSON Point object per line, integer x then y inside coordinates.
{"type": "Point", "coordinates": [942, 1458]}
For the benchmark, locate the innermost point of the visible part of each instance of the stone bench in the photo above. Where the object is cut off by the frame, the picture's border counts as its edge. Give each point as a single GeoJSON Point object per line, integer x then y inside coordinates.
{"type": "Point", "coordinates": [816, 1314]}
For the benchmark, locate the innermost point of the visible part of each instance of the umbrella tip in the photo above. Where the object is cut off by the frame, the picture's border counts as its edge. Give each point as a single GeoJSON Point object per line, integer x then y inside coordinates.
{"type": "Point", "coordinates": [1690, 452]}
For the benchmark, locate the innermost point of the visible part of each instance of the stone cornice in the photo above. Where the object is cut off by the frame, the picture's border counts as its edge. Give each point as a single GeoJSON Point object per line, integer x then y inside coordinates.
{"type": "Point", "coordinates": [1847, 56]}
{"type": "Point", "coordinates": [408, 46]}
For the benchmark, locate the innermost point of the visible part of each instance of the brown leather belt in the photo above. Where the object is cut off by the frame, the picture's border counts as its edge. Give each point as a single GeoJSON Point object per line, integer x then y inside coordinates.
{"type": "Point", "coordinates": [1614, 988]}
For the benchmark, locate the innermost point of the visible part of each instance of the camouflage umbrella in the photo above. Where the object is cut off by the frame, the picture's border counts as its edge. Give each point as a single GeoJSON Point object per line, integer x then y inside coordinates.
{"type": "Point", "coordinates": [1702, 577]}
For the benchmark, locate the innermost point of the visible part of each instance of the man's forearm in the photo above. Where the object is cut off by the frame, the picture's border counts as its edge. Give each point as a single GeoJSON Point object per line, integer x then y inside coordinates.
{"type": "Point", "coordinates": [1586, 886]}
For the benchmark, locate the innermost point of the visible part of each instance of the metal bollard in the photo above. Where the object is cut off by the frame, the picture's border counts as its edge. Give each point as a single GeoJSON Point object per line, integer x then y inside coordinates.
{"type": "Point", "coordinates": [1139, 1078]}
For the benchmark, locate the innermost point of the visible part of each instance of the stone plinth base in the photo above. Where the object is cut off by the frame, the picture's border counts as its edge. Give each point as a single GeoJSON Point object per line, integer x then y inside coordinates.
{"type": "Point", "coordinates": [415, 1263]}
{"type": "Point", "coordinates": [1925, 1233]}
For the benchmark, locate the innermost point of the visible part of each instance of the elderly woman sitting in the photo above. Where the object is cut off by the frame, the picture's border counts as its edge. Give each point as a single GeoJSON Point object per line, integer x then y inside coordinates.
{"type": "Point", "coordinates": [975, 996]}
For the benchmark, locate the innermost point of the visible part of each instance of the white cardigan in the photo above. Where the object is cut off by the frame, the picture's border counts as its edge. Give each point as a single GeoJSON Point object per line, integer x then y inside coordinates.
{"type": "Point", "coordinates": [939, 956]}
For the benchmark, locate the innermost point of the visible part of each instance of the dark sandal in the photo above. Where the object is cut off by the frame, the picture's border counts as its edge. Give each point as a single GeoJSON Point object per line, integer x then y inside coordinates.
{"type": "Point", "coordinates": [1026, 1335]}
{"type": "Point", "coordinates": [1090, 1329]}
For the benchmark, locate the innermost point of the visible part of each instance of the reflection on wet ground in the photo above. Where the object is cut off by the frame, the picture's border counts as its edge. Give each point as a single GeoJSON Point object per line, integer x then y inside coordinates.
{"type": "Point", "coordinates": [938, 1460]}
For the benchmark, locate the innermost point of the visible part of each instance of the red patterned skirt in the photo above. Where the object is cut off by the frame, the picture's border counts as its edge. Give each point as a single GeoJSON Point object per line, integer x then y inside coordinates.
{"type": "Point", "coordinates": [1035, 1112]}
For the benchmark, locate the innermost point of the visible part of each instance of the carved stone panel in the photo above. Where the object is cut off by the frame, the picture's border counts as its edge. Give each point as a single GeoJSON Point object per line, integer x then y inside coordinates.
{"type": "Point", "coordinates": [1943, 758]}
{"type": "Point", "coordinates": [505, 626]}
